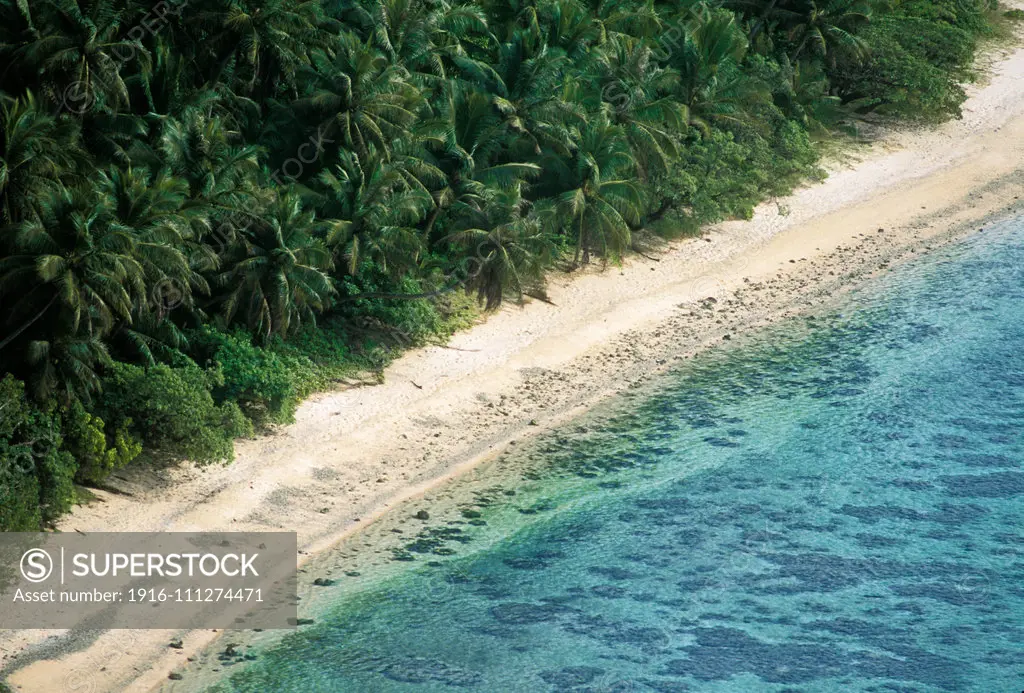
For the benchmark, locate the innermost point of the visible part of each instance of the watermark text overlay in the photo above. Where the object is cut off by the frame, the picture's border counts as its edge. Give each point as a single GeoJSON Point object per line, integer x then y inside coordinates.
{"type": "Point", "coordinates": [229, 580]}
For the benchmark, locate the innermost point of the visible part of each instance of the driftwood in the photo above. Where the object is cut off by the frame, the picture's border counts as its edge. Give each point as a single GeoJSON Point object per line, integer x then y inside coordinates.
{"type": "Point", "coordinates": [646, 256]}
{"type": "Point", "coordinates": [539, 297]}
{"type": "Point", "coordinates": [110, 489]}
{"type": "Point", "coordinates": [445, 346]}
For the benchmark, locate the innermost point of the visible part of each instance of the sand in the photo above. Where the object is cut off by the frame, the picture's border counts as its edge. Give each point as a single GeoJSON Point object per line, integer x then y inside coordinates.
{"type": "Point", "coordinates": [354, 453]}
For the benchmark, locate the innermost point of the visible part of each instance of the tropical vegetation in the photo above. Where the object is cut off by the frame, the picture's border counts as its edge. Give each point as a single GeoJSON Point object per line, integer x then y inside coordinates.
{"type": "Point", "coordinates": [210, 208]}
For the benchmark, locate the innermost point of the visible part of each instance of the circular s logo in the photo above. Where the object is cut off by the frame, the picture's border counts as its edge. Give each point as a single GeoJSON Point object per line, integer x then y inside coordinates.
{"type": "Point", "coordinates": [36, 565]}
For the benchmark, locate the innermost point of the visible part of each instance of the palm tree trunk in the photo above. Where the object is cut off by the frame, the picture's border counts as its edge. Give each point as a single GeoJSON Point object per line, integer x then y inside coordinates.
{"type": "Point", "coordinates": [762, 21]}
{"type": "Point", "coordinates": [430, 221]}
{"type": "Point", "coordinates": [666, 204]}
{"type": "Point", "coordinates": [24, 327]}
{"type": "Point", "coordinates": [579, 244]}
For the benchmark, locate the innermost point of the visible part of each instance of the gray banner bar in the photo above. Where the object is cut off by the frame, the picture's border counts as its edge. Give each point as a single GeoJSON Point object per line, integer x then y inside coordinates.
{"type": "Point", "coordinates": [229, 580]}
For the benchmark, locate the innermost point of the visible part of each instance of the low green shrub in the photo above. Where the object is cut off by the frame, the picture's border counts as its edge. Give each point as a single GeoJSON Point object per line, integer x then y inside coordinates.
{"type": "Point", "coordinates": [894, 81]}
{"type": "Point", "coordinates": [86, 439]}
{"type": "Point", "coordinates": [172, 410]}
{"type": "Point", "coordinates": [36, 475]}
{"type": "Point", "coordinates": [256, 379]}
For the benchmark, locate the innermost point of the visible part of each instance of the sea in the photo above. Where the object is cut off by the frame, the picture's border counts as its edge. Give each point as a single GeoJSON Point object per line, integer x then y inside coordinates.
{"type": "Point", "coordinates": [834, 503]}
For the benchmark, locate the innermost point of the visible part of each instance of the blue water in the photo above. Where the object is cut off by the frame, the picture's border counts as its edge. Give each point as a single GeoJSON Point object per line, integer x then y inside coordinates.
{"type": "Point", "coordinates": [835, 504]}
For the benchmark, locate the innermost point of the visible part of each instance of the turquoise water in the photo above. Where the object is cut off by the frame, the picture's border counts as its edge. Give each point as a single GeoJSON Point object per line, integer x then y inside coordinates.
{"type": "Point", "coordinates": [835, 504]}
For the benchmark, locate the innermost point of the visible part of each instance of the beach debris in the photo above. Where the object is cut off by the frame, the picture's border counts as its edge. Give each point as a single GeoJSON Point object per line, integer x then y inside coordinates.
{"type": "Point", "coordinates": [176, 644]}
{"type": "Point", "coordinates": [323, 582]}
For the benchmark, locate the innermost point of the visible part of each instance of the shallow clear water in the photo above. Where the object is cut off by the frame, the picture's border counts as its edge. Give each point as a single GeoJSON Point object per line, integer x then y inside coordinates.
{"type": "Point", "coordinates": [836, 504]}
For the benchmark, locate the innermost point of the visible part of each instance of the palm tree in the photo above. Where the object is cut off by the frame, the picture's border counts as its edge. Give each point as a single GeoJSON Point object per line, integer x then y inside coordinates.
{"type": "Point", "coordinates": [504, 243]}
{"type": "Point", "coordinates": [198, 148]}
{"type": "Point", "coordinates": [154, 210]}
{"type": "Point", "coordinates": [277, 281]}
{"type": "Point", "coordinates": [760, 17]}
{"type": "Point", "coordinates": [602, 199]}
{"type": "Point", "coordinates": [167, 89]}
{"type": "Point", "coordinates": [151, 337]}
{"type": "Point", "coordinates": [638, 96]}
{"type": "Point", "coordinates": [371, 210]}
{"type": "Point", "coordinates": [222, 177]}
{"type": "Point", "coordinates": [427, 38]}
{"type": "Point", "coordinates": [269, 40]}
{"type": "Point", "coordinates": [78, 51]}
{"type": "Point", "coordinates": [36, 149]}
{"type": "Point", "coordinates": [361, 96]}
{"type": "Point", "coordinates": [473, 150]}
{"type": "Point", "coordinates": [806, 99]}
{"type": "Point", "coordinates": [72, 275]}
{"type": "Point", "coordinates": [65, 366]}
{"type": "Point", "coordinates": [641, 20]}
{"type": "Point", "coordinates": [77, 262]}
{"type": "Point", "coordinates": [569, 26]}
{"type": "Point", "coordinates": [16, 31]}
{"type": "Point", "coordinates": [827, 28]}
{"type": "Point", "coordinates": [528, 88]}
{"type": "Point", "coordinates": [712, 85]}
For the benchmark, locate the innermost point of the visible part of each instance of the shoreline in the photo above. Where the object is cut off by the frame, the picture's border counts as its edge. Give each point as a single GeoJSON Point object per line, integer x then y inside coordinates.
{"type": "Point", "coordinates": [367, 550]}
{"type": "Point", "coordinates": [444, 410]}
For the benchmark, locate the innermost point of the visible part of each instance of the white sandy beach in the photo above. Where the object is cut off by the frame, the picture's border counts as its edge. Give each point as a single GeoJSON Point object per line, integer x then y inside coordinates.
{"type": "Point", "coordinates": [352, 454]}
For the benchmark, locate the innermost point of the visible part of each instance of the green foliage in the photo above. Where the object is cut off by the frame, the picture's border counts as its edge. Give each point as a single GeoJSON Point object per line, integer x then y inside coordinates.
{"type": "Point", "coordinates": [173, 410]}
{"type": "Point", "coordinates": [948, 47]}
{"type": "Point", "coordinates": [260, 381]}
{"type": "Point", "coordinates": [895, 81]}
{"type": "Point", "coordinates": [920, 52]}
{"type": "Point", "coordinates": [385, 316]}
{"type": "Point", "coordinates": [36, 475]}
{"type": "Point", "coordinates": [724, 175]}
{"type": "Point", "coordinates": [21, 508]}
{"type": "Point", "coordinates": [86, 439]}
{"type": "Point", "coordinates": [207, 214]}
{"type": "Point", "coordinates": [317, 357]}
